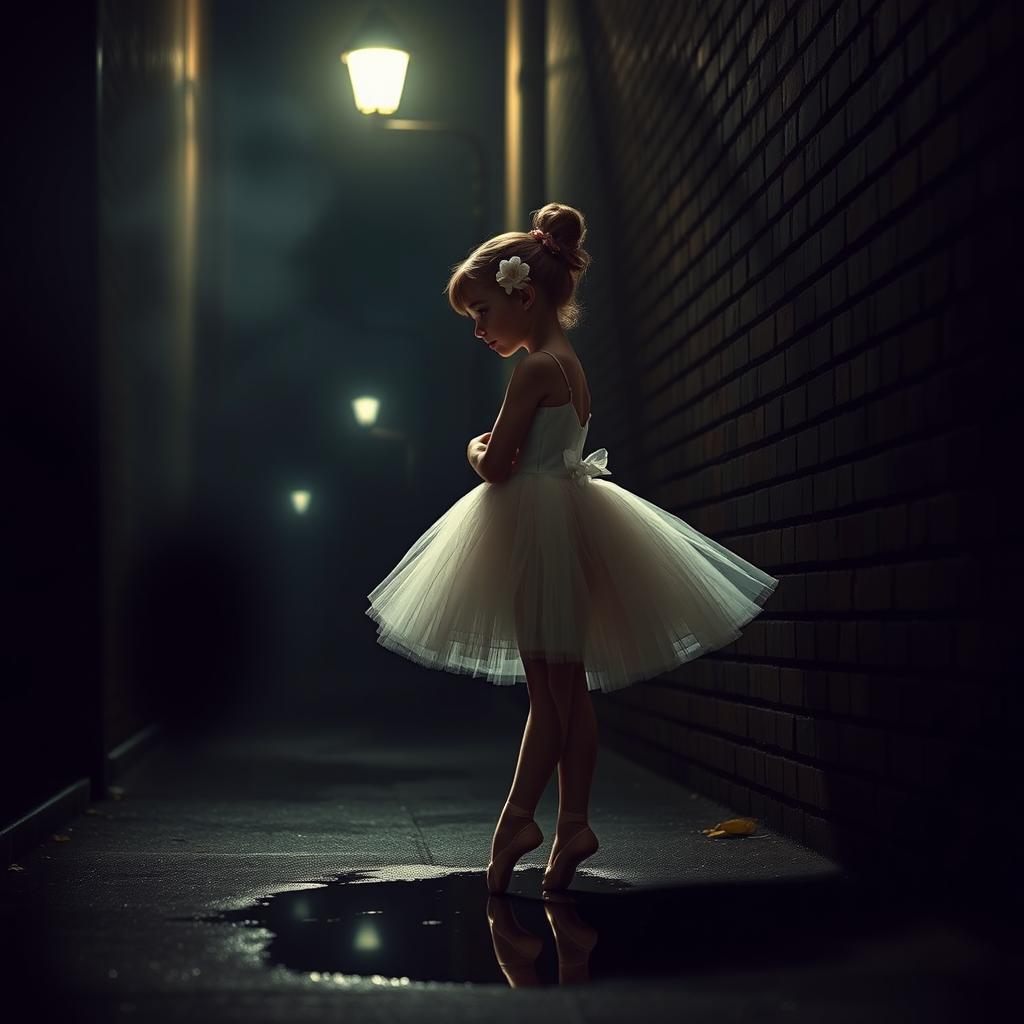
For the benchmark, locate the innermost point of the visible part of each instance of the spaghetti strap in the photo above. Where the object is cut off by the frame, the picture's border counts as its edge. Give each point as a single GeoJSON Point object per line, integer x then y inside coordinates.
{"type": "Point", "coordinates": [562, 368]}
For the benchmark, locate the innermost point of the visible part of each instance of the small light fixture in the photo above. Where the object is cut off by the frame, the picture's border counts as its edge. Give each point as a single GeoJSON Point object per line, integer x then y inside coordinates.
{"type": "Point", "coordinates": [377, 62]}
{"type": "Point", "coordinates": [300, 501]}
{"type": "Point", "coordinates": [366, 408]}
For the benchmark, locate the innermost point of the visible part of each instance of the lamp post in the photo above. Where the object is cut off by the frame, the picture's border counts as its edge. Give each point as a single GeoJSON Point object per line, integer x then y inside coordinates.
{"type": "Point", "coordinates": [377, 62]}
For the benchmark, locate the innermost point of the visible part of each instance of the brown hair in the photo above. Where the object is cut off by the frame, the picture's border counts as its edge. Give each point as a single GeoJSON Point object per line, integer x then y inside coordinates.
{"type": "Point", "coordinates": [557, 275]}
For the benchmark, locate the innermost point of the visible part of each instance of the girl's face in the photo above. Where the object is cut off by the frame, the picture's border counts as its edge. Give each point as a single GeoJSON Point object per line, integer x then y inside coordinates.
{"type": "Point", "coordinates": [501, 320]}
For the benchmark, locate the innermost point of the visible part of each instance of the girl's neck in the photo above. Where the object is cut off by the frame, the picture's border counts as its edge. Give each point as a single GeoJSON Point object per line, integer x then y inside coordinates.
{"type": "Point", "coordinates": [556, 341]}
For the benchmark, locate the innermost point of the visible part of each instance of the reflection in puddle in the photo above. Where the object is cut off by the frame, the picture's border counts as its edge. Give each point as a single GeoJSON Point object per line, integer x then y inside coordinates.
{"type": "Point", "coordinates": [416, 924]}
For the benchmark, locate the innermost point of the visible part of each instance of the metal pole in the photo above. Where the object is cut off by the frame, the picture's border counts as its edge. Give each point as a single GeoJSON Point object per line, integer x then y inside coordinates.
{"type": "Point", "coordinates": [478, 158]}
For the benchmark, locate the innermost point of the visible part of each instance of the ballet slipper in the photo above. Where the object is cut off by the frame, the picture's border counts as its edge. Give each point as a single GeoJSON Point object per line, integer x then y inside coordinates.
{"type": "Point", "coordinates": [529, 837]}
{"type": "Point", "coordinates": [582, 845]}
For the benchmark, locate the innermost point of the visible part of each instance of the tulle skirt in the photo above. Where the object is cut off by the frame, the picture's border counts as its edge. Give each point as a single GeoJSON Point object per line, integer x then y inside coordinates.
{"type": "Point", "coordinates": [538, 566]}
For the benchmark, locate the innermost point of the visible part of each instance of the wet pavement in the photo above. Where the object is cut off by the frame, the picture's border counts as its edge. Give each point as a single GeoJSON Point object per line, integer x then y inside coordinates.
{"type": "Point", "coordinates": [297, 873]}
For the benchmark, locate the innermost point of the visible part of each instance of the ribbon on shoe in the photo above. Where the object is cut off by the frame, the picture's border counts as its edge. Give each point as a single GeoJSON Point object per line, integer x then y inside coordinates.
{"type": "Point", "coordinates": [581, 470]}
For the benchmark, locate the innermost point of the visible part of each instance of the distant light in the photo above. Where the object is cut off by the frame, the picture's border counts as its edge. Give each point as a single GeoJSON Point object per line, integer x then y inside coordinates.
{"type": "Point", "coordinates": [367, 937]}
{"type": "Point", "coordinates": [300, 501]}
{"type": "Point", "coordinates": [377, 62]}
{"type": "Point", "coordinates": [366, 408]}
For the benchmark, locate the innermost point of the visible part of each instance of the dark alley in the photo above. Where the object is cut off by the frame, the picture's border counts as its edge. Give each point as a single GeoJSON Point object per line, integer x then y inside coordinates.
{"type": "Point", "coordinates": [683, 692]}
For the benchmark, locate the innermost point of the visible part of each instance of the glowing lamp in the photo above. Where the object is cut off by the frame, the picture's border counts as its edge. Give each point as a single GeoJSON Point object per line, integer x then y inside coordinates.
{"type": "Point", "coordinates": [377, 62]}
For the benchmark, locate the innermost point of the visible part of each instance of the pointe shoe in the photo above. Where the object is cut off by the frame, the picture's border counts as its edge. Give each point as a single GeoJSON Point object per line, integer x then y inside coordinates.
{"type": "Point", "coordinates": [561, 869]}
{"type": "Point", "coordinates": [529, 837]}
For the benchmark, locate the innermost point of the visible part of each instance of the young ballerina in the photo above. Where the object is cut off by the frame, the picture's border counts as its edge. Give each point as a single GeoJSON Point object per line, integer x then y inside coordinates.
{"type": "Point", "coordinates": [546, 571]}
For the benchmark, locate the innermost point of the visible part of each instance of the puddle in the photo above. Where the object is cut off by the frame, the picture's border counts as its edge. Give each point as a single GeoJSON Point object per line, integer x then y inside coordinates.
{"type": "Point", "coordinates": [414, 924]}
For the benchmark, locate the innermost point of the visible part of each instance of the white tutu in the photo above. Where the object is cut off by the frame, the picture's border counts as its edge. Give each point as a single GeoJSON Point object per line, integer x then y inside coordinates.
{"type": "Point", "coordinates": [544, 566]}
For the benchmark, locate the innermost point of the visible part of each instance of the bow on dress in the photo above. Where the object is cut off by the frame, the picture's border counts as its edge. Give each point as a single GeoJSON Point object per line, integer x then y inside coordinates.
{"type": "Point", "coordinates": [581, 470]}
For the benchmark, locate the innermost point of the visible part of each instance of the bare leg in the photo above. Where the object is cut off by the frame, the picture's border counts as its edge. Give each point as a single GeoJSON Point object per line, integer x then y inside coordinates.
{"type": "Point", "coordinates": [538, 753]}
{"type": "Point", "coordinates": [579, 756]}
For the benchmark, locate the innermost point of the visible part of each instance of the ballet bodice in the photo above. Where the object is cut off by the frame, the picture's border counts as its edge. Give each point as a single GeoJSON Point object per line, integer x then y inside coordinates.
{"type": "Point", "coordinates": [553, 445]}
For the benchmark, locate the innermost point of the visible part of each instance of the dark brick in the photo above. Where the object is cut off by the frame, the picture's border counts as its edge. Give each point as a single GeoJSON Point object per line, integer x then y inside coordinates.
{"type": "Point", "coordinates": [827, 740]}
{"type": "Point", "coordinates": [911, 583]}
{"type": "Point", "coordinates": [791, 687]}
{"type": "Point", "coordinates": [764, 683]}
{"type": "Point", "coordinates": [784, 730]}
{"type": "Point", "coordinates": [816, 690]}
{"type": "Point", "coordinates": [804, 637]}
{"type": "Point", "coordinates": [828, 535]}
{"type": "Point", "coordinates": [806, 542]}
{"type": "Point", "coordinates": [872, 588]}
{"type": "Point", "coordinates": [897, 644]}
{"type": "Point", "coordinates": [794, 408]}
{"type": "Point", "coordinates": [848, 645]}
{"type": "Point", "coordinates": [806, 736]}
{"type": "Point", "coordinates": [811, 786]}
{"type": "Point", "coordinates": [840, 590]}
{"type": "Point", "coordinates": [851, 797]}
{"type": "Point", "coordinates": [892, 528]}
{"type": "Point", "coordinates": [963, 63]}
{"type": "Point", "coordinates": [793, 822]}
{"type": "Point", "coordinates": [906, 758]}
{"type": "Point", "coordinates": [774, 772]}
{"type": "Point", "coordinates": [882, 698]}
{"type": "Point", "coordinates": [745, 767]}
{"type": "Point", "coordinates": [817, 591]}
{"type": "Point", "coordinates": [807, 448]}
{"type": "Point", "coordinates": [931, 644]}
{"type": "Point", "coordinates": [827, 641]}
{"type": "Point", "coordinates": [818, 835]}
{"type": "Point", "coordinates": [863, 748]}
{"type": "Point", "coordinates": [820, 394]}
{"type": "Point", "coordinates": [790, 780]}
{"type": "Point", "coordinates": [771, 375]}
{"type": "Point", "coordinates": [826, 489]}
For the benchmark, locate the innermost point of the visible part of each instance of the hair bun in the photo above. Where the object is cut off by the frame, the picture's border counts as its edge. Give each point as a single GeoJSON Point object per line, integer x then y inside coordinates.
{"type": "Point", "coordinates": [567, 227]}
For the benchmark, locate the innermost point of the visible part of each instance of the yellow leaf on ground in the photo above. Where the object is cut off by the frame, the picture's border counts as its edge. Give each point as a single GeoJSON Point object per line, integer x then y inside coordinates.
{"type": "Point", "coordinates": [734, 827]}
{"type": "Point", "coordinates": [62, 838]}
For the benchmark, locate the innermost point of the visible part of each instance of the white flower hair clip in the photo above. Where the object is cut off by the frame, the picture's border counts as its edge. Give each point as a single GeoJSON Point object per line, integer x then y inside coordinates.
{"type": "Point", "coordinates": [512, 273]}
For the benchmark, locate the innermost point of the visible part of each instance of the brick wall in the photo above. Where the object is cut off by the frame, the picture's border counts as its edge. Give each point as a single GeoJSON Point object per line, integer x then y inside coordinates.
{"type": "Point", "coordinates": [807, 216]}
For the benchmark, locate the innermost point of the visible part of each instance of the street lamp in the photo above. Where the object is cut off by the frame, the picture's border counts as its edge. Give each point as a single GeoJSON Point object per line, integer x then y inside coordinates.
{"type": "Point", "coordinates": [377, 62]}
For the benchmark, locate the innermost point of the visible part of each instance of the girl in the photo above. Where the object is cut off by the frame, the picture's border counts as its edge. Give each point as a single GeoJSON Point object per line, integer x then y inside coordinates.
{"type": "Point", "coordinates": [546, 571]}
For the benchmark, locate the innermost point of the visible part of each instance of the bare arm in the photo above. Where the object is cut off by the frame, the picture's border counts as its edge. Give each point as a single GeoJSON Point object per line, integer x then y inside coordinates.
{"type": "Point", "coordinates": [474, 453]}
{"type": "Point", "coordinates": [529, 383]}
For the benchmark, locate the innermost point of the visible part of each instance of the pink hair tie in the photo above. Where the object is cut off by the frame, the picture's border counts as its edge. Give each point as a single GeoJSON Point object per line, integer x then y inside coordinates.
{"type": "Point", "coordinates": [546, 239]}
